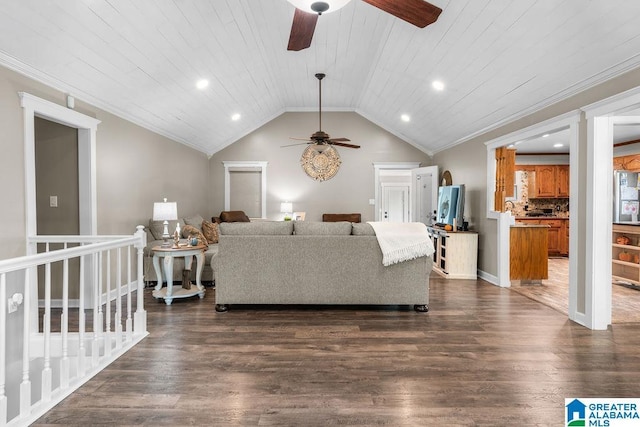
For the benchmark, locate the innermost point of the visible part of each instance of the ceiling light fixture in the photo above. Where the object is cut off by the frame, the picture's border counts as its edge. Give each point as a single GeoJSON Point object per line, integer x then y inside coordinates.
{"type": "Point", "coordinates": [438, 85]}
{"type": "Point", "coordinates": [405, 118]}
{"type": "Point", "coordinates": [546, 135]}
{"type": "Point", "coordinates": [202, 84]}
{"type": "Point", "coordinates": [319, 7]}
{"type": "Point", "coordinates": [236, 117]}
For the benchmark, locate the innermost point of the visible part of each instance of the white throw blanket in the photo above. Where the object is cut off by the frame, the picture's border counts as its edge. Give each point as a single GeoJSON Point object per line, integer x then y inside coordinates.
{"type": "Point", "coordinates": [402, 241]}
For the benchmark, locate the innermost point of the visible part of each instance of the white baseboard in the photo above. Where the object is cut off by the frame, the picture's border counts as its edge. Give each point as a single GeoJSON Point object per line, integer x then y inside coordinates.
{"type": "Point", "coordinates": [488, 278]}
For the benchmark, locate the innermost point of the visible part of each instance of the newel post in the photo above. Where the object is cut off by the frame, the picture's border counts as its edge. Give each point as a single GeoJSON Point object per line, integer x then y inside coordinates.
{"type": "Point", "coordinates": [140, 317]}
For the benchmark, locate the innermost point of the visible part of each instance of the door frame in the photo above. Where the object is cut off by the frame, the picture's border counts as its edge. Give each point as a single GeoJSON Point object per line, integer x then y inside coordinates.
{"type": "Point", "coordinates": [386, 169]}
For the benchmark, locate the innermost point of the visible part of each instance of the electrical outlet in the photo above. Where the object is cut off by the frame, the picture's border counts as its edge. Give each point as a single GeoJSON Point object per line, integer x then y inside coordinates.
{"type": "Point", "coordinates": [372, 202]}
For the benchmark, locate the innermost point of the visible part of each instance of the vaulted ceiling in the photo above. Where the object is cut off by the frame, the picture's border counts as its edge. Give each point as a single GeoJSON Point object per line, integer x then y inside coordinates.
{"type": "Point", "coordinates": [498, 59]}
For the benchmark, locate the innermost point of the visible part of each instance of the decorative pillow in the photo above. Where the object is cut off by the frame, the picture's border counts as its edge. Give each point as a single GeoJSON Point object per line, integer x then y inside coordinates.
{"type": "Point", "coordinates": [190, 230]}
{"type": "Point", "coordinates": [322, 228]}
{"type": "Point", "coordinates": [272, 228]}
{"type": "Point", "coordinates": [195, 220]}
{"type": "Point", "coordinates": [234, 216]}
{"type": "Point", "coordinates": [210, 231]}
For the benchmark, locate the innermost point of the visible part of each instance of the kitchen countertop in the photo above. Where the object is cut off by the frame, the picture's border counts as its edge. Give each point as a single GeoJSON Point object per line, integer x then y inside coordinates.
{"type": "Point", "coordinates": [519, 218]}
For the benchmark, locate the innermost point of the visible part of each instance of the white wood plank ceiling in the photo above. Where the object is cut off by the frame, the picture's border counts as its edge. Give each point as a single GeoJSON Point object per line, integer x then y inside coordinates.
{"type": "Point", "coordinates": [499, 59]}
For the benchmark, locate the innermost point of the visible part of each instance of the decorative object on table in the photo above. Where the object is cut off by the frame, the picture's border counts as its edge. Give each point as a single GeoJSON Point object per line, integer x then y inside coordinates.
{"type": "Point", "coordinates": [623, 240]}
{"type": "Point", "coordinates": [176, 240]}
{"type": "Point", "coordinates": [196, 236]}
{"type": "Point", "coordinates": [165, 211]}
{"type": "Point", "coordinates": [320, 160]}
{"type": "Point", "coordinates": [299, 216]}
{"type": "Point", "coordinates": [193, 240]}
{"type": "Point", "coordinates": [286, 208]}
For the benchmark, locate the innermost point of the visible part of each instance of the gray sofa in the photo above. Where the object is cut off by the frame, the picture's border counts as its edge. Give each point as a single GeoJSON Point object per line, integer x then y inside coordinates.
{"type": "Point", "coordinates": [313, 263]}
{"type": "Point", "coordinates": [154, 238]}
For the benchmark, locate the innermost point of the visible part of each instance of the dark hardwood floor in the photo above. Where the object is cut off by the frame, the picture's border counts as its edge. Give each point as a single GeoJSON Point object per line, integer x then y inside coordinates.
{"type": "Point", "coordinates": [482, 356]}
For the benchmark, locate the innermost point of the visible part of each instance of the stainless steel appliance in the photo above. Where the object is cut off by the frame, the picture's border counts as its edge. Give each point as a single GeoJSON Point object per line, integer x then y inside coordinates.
{"type": "Point", "coordinates": [626, 202]}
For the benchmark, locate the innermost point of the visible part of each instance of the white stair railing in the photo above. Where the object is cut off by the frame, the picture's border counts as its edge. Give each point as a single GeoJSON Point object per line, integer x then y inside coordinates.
{"type": "Point", "coordinates": [43, 360]}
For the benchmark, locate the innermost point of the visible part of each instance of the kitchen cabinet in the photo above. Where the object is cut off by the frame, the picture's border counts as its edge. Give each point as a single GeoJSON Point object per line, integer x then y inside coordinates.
{"type": "Point", "coordinates": [549, 181]}
{"type": "Point", "coordinates": [562, 180]}
{"type": "Point", "coordinates": [557, 235]}
{"type": "Point", "coordinates": [456, 255]}
{"type": "Point", "coordinates": [625, 254]}
{"type": "Point", "coordinates": [627, 163]}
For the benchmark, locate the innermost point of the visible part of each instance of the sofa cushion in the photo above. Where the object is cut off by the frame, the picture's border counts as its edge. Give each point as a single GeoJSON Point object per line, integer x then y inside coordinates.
{"type": "Point", "coordinates": [156, 227]}
{"type": "Point", "coordinates": [234, 216]}
{"type": "Point", "coordinates": [283, 228]}
{"type": "Point", "coordinates": [322, 228]}
{"type": "Point", "coordinates": [210, 231]}
{"type": "Point", "coordinates": [362, 229]}
{"type": "Point", "coordinates": [190, 230]}
{"type": "Point", "coordinates": [195, 220]}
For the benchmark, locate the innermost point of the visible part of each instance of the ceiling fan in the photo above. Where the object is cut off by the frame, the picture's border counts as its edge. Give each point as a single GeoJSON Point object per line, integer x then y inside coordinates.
{"type": "Point", "coordinates": [321, 138]}
{"type": "Point", "coordinates": [416, 12]}
{"type": "Point", "coordinates": [320, 160]}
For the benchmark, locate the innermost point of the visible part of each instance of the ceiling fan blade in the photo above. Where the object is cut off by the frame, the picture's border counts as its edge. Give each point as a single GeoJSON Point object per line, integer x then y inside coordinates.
{"type": "Point", "coordinates": [297, 143]}
{"type": "Point", "coordinates": [416, 12]}
{"type": "Point", "coordinates": [302, 28]}
{"type": "Point", "coordinates": [299, 139]}
{"type": "Point", "coordinates": [342, 144]}
{"type": "Point", "coordinates": [339, 140]}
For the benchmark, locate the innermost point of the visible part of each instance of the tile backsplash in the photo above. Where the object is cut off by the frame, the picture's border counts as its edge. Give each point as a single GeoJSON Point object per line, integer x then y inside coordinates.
{"type": "Point", "coordinates": [521, 203]}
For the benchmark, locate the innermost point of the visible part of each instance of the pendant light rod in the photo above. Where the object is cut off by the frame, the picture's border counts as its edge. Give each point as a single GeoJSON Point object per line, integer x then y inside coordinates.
{"type": "Point", "coordinates": [320, 76]}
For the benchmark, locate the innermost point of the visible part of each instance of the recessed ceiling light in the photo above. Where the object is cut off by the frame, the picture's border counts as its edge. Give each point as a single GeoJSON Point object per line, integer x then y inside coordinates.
{"type": "Point", "coordinates": [236, 117]}
{"type": "Point", "coordinates": [558, 145]}
{"type": "Point", "coordinates": [546, 135]}
{"type": "Point", "coordinates": [511, 146]}
{"type": "Point", "coordinates": [202, 84]}
{"type": "Point", "coordinates": [405, 118]}
{"type": "Point", "coordinates": [438, 85]}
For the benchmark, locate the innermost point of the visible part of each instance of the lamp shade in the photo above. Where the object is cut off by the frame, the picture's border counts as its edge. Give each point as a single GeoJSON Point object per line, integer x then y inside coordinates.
{"type": "Point", "coordinates": [165, 211]}
{"type": "Point", "coordinates": [286, 207]}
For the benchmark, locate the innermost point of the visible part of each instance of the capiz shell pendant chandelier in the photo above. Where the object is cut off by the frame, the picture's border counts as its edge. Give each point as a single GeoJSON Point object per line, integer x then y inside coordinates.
{"type": "Point", "coordinates": [322, 164]}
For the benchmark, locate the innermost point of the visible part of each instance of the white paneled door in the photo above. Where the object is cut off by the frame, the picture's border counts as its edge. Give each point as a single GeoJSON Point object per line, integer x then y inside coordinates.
{"type": "Point", "coordinates": [395, 203]}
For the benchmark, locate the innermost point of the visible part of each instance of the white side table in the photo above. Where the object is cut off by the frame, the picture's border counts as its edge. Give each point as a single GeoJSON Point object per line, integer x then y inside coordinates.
{"type": "Point", "coordinates": [188, 252]}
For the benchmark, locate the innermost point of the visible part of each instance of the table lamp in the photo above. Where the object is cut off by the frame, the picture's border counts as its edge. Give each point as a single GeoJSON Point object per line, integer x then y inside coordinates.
{"type": "Point", "coordinates": [165, 211]}
{"type": "Point", "coordinates": [286, 208]}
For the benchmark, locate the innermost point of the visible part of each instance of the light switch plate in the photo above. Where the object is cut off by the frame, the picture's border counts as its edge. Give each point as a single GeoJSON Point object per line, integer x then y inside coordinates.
{"type": "Point", "coordinates": [372, 202]}
{"type": "Point", "coordinates": [53, 201]}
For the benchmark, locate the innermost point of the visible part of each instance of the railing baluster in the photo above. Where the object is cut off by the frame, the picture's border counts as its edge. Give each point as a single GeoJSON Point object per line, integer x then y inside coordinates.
{"type": "Point", "coordinates": [118, 316]}
{"type": "Point", "coordinates": [64, 326]}
{"type": "Point", "coordinates": [129, 323]}
{"type": "Point", "coordinates": [3, 348]}
{"type": "Point", "coordinates": [97, 310]}
{"type": "Point", "coordinates": [25, 385]}
{"type": "Point", "coordinates": [46, 329]}
{"type": "Point", "coordinates": [82, 352]}
{"type": "Point", "coordinates": [107, 308]}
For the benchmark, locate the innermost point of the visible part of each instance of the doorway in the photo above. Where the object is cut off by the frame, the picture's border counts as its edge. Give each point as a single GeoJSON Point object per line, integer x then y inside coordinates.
{"type": "Point", "coordinates": [395, 202]}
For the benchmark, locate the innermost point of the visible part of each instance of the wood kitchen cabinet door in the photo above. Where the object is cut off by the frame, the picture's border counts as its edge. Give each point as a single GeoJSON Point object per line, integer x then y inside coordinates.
{"type": "Point", "coordinates": [546, 181]}
{"type": "Point", "coordinates": [562, 180]}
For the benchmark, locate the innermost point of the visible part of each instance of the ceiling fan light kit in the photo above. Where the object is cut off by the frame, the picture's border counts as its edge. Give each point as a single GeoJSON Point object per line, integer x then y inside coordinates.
{"type": "Point", "coordinates": [416, 12]}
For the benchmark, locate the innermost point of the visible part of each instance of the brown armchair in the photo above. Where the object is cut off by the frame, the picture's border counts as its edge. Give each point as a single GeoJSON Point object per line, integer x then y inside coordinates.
{"type": "Point", "coordinates": [351, 217]}
{"type": "Point", "coordinates": [231, 216]}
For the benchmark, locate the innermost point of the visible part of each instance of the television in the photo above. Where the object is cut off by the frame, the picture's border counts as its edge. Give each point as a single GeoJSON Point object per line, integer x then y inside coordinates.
{"type": "Point", "coordinates": [450, 205]}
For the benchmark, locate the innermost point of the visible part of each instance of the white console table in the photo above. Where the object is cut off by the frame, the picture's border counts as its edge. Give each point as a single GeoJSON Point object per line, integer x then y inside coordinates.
{"type": "Point", "coordinates": [456, 255]}
{"type": "Point", "coordinates": [188, 252]}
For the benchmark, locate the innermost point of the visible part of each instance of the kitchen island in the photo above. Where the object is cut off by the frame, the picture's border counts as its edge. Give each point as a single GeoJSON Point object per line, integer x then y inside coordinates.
{"type": "Point", "coordinates": [528, 260]}
{"type": "Point", "coordinates": [558, 233]}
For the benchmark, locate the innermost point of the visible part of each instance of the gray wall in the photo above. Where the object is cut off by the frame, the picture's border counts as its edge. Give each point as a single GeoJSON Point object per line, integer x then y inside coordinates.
{"type": "Point", "coordinates": [348, 191]}
{"type": "Point", "coordinates": [457, 160]}
{"type": "Point", "coordinates": [135, 167]}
